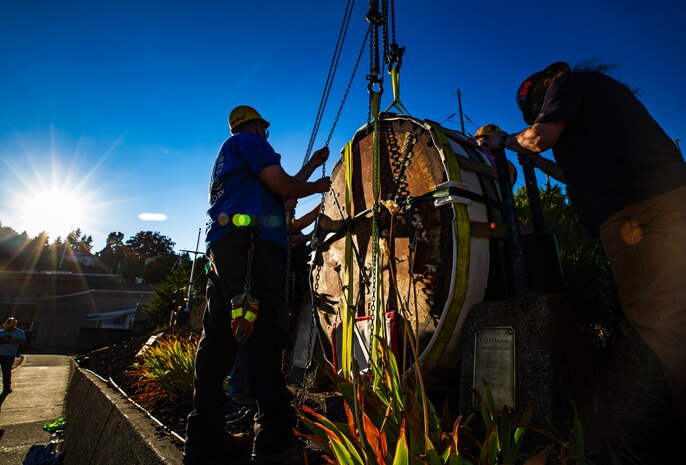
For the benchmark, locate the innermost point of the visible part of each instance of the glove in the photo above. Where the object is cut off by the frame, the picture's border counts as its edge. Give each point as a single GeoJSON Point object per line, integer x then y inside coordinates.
{"type": "Point", "coordinates": [244, 311]}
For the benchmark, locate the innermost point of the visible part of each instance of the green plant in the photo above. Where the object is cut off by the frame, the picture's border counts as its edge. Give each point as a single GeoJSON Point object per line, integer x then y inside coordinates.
{"type": "Point", "coordinates": [165, 371]}
{"type": "Point", "coordinates": [504, 435]}
{"type": "Point", "coordinates": [386, 425]}
{"type": "Point", "coordinates": [170, 294]}
{"type": "Point", "coordinates": [568, 450]}
{"type": "Point", "coordinates": [391, 422]}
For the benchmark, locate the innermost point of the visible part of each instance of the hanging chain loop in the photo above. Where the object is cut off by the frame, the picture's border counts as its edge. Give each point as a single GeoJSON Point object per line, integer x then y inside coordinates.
{"type": "Point", "coordinates": [248, 273]}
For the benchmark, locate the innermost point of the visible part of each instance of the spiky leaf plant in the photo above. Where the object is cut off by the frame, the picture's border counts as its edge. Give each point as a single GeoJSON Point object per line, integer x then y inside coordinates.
{"type": "Point", "coordinates": [165, 371]}
{"type": "Point", "coordinates": [389, 421]}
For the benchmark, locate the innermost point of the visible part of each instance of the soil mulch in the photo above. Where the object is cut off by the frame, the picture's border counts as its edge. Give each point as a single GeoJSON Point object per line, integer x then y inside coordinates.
{"type": "Point", "coordinates": [112, 362]}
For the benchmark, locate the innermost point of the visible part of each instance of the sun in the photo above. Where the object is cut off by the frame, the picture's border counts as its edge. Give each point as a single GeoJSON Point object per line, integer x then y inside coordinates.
{"type": "Point", "coordinates": [55, 211]}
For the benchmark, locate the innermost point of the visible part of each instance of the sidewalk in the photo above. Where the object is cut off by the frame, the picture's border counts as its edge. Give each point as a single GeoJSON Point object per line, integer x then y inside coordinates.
{"type": "Point", "coordinates": [39, 386]}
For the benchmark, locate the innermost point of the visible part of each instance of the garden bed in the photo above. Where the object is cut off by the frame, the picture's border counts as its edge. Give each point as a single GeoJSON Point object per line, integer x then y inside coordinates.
{"type": "Point", "coordinates": [112, 362]}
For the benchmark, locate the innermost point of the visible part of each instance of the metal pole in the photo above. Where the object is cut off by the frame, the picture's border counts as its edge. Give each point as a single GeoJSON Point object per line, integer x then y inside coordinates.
{"type": "Point", "coordinates": [510, 217]}
{"type": "Point", "coordinates": [533, 194]}
{"type": "Point", "coordinates": [459, 104]}
{"type": "Point", "coordinates": [190, 280]}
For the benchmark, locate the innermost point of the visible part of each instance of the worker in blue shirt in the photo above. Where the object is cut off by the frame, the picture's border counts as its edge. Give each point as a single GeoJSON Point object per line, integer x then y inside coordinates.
{"type": "Point", "coordinates": [246, 295]}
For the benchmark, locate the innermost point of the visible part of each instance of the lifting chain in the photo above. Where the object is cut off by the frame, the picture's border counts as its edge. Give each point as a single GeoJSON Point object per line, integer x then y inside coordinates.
{"type": "Point", "coordinates": [330, 77]}
{"type": "Point", "coordinates": [401, 157]}
{"type": "Point", "coordinates": [375, 310]}
{"type": "Point", "coordinates": [375, 78]}
{"type": "Point", "coordinates": [314, 297]}
{"type": "Point", "coordinates": [347, 89]}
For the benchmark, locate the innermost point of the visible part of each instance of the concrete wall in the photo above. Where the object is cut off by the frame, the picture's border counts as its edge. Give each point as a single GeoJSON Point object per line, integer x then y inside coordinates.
{"type": "Point", "coordinates": [103, 428]}
{"type": "Point", "coordinates": [61, 318]}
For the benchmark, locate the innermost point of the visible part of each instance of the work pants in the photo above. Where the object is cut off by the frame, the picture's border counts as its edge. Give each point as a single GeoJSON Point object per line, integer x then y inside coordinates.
{"type": "Point", "coordinates": [646, 245]}
{"type": "Point", "coordinates": [6, 362]}
{"type": "Point", "coordinates": [262, 352]}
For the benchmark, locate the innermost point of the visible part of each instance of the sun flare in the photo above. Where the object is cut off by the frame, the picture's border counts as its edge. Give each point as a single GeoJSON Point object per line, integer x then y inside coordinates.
{"type": "Point", "coordinates": [56, 212]}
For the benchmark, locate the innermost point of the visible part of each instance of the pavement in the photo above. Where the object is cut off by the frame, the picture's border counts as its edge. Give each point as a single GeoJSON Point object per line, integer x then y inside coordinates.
{"type": "Point", "coordinates": [39, 387]}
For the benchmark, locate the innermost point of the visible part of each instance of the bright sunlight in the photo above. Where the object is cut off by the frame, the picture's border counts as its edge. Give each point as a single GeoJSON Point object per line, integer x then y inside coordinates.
{"type": "Point", "coordinates": [56, 212]}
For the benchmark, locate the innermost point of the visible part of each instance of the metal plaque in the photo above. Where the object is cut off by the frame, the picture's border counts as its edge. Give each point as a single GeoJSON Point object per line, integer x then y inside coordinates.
{"type": "Point", "coordinates": [494, 364]}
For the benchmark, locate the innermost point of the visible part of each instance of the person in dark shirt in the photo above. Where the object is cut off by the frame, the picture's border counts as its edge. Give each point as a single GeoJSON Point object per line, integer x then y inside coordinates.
{"type": "Point", "coordinates": [627, 180]}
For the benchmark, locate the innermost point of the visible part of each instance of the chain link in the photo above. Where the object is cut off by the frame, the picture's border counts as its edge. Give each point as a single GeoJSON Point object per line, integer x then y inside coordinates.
{"type": "Point", "coordinates": [248, 273]}
{"type": "Point", "coordinates": [384, 28]}
{"type": "Point", "coordinates": [393, 21]}
{"type": "Point", "coordinates": [314, 300]}
{"type": "Point", "coordinates": [347, 89]}
{"type": "Point", "coordinates": [376, 192]}
{"type": "Point", "coordinates": [330, 77]}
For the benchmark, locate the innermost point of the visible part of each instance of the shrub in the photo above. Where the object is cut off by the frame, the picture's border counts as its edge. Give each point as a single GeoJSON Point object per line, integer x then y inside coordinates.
{"type": "Point", "coordinates": [165, 371]}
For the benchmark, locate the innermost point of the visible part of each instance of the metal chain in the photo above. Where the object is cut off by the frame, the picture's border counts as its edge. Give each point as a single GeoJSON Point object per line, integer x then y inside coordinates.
{"type": "Point", "coordinates": [375, 20]}
{"type": "Point", "coordinates": [314, 299]}
{"type": "Point", "coordinates": [248, 273]}
{"type": "Point", "coordinates": [384, 30]}
{"type": "Point", "coordinates": [330, 77]}
{"type": "Point", "coordinates": [347, 89]}
{"type": "Point", "coordinates": [376, 191]}
{"type": "Point", "coordinates": [393, 21]}
{"type": "Point", "coordinates": [400, 187]}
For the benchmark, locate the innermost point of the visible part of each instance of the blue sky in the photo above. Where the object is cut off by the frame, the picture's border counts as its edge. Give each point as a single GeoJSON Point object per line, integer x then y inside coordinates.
{"type": "Point", "coordinates": [123, 105]}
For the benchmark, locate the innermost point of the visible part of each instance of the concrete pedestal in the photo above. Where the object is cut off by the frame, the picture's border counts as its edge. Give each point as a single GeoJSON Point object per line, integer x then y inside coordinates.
{"type": "Point", "coordinates": [552, 356]}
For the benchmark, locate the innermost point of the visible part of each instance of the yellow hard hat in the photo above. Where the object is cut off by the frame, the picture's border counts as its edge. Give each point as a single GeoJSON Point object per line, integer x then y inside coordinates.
{"type": "Point", "coordinates": [242, 114]}
{"type": "Point", "coordinates": [485, 131]}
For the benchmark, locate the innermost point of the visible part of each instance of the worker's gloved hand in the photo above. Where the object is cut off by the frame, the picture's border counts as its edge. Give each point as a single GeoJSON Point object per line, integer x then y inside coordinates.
{"type": "Point", "coordinates": [320, 156]}
{"type": "Point", "coordinates": [244, 312]}
{"type": "Point", "coordinates": [493, 142]}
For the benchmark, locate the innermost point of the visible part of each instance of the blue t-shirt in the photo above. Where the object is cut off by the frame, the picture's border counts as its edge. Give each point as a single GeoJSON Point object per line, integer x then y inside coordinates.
{"type": "Point", "coordinates": [237, 195]}
{"type": "Point", "coordinates": [16, 335]}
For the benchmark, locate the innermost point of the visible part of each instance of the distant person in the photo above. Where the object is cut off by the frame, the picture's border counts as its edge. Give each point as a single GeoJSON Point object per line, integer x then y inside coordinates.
{"type": "Point", "coordinates": [481, 137]}
{"type": "Point", "coordinates": [247, 190]}
{"type": "Point", "coordinates": [627, 180]}
{"type": "Point", "coordinates": [300, 252]}
{"type": "Point", "coordinates": [10, 339]}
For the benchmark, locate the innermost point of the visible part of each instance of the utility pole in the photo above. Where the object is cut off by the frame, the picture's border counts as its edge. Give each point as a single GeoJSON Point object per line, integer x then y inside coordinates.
{"type": "Point", "coordinates": [459, 104]}
{"type": "Point", "coordinates": [190, 280]}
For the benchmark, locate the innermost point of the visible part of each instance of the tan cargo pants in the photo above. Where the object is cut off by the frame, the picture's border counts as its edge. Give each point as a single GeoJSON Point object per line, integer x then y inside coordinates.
{"type": "Point", "coordinates": [646, 245]}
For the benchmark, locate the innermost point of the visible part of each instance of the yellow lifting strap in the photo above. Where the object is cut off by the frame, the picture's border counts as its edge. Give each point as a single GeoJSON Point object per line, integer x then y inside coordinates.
{"type": "Point", "coordinates": [397, 103]}
{"type": "Point", "coordinates": [462, 239]}
{"type": "Point", "coordinates": [348, 307]}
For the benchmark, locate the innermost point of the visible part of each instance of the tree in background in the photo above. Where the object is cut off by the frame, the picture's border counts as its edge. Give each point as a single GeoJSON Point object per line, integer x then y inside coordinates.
{"type": "Point", "coordinates": [147, 248]}
{"type": "Point", "coordinates": [11, 245]}
{"type": "Point", "coordinates": [170, 293]}
{"type": "Point", "coordinates": [150, 244]}
{"type": "Point", "coordinates": [586, 270]}
{"type": "Point", "coordinates": [19, 252]}
{"type": "Point", "coordinates": [147, 255]}
{"type": "Point", "coordinates": [37, 253]}
{"type": "Point", "coordinates": [80, 242]}
{"type": "Point", "coordinates": [112, 255]}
